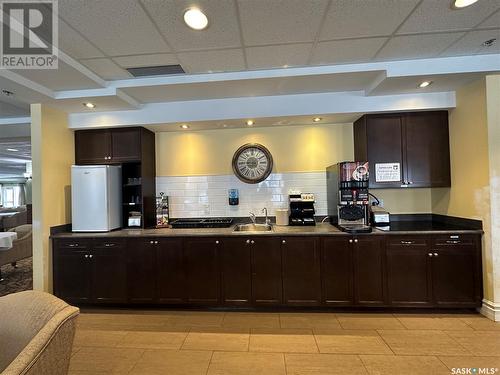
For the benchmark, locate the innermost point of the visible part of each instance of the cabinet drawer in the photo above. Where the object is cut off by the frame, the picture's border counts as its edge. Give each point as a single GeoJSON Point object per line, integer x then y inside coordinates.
{"type": "Point", "coordinates": [407, 241]}
{"type": "Point", "coordinates": [71, 244]}
{"type": "Point", "coordinates": [454, 240]}
{"type": "Point", "coordinates": [111, 243]}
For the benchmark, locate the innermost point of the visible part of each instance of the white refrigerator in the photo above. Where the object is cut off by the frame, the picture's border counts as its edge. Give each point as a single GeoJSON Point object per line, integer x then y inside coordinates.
{"type": "Point", "coordinates": [96, 198]}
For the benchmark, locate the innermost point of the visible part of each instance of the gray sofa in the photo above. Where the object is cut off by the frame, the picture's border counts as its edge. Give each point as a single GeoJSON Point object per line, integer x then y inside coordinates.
{"type": "Point", "coordinates": [22, 247]}
{"type": "Point", "coordinates": [19, 217]}
{"type": "Point", "coordinates": [36, 334]}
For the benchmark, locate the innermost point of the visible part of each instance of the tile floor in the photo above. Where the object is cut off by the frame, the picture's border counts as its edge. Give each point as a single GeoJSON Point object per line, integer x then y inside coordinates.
{"type": "Point", "coordinates": [234, 343]}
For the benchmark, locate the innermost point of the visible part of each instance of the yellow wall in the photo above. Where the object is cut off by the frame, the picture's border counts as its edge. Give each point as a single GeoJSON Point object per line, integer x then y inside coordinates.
{"type": "Point", "coordinates": [294, 149]}
{"type": "Point", "coordinates": [52, 154]}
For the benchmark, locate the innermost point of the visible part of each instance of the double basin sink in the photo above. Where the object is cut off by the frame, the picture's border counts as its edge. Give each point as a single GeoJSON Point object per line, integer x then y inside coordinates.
{"type": "Point", "coordinates": [253, 228]}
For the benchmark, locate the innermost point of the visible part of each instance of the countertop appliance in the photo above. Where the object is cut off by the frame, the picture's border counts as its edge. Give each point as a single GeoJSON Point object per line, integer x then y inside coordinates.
{"type": "Point", "coordinates": [348, 198]}
{"type": "Point", "coordinates": [215, 222]}
{"type": "Point", "coordinates": [96, 198]}
{"type": "Point", "coordinates": [380, 217]}
{"type": "Point", "coordinates": [301, 209]}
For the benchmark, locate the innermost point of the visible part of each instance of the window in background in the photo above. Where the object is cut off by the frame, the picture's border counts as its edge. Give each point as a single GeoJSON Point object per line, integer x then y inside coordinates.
{"type": "Point", "coordinates": [10, 196]}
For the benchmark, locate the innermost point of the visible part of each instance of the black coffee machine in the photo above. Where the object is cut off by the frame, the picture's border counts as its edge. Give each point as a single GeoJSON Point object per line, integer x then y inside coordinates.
{"type": "Point", "coordinates": [348, 199]}
{"type": "Point", "coordinates": [301, 209]}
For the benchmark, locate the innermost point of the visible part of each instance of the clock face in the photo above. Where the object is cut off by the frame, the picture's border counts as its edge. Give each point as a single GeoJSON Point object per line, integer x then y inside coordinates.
{"type": "Point", "coordinates": [252, 163]}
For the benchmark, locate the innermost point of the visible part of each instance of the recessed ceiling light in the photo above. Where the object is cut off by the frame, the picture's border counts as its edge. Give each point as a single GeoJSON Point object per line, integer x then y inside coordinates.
{"type": "Point", "coordinates": [489, 42]}
{"type": "Point", "coordinates": [458, 4]}
{"type": "Point", "coordinates": [89, 105]}
{"type": "Point", "coordinates": [195, 19]}
{"type": "Point", "coordinates": [250, 122]}
{"type": "Point", "coordinates": [317, 119]}
{"type": "Point", "coordinates": [13, 149]}
{"type": "Point", "coordinates": [185, 126]}
{"type": "Point", "coordinates": [425, 84]}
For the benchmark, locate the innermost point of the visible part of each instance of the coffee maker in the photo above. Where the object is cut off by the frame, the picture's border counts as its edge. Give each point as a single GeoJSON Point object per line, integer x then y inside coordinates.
{"type": "Point", "coordinates": [348, 199]}
{"type": "Point", "coordinates": [301, 209]}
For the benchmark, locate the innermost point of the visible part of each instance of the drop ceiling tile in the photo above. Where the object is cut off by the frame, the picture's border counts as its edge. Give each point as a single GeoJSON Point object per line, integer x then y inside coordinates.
{"type": "Point", "coordinates": [106, 69]}
{"type": "Point", "coordinates": [222, 30]}
{"type": "Point", "coordinates": [361, 18]}
{"type": "Point", "coordinates": [146, 60]}
{"type": "Point", "coordinates": [278, 56]}
{"type": "Point", "coordinates": [75, 45]}
{"type": "Point", "coordinates": [417, 46]}
{"type": "Point", "coordinates": [117, 27]}
{"type": "Point", "coordinates": [212, 61]}
{"type": "Point", "coordinates": [433, 15]}
{"type": "Point", "coordinates": [492, 21]}
{"type": "Point", "coordinates": [471, 44]}
{"type": "Point", "coordinates": [280, 21]}
{"type": "Point", "coordinates": [346, 51]}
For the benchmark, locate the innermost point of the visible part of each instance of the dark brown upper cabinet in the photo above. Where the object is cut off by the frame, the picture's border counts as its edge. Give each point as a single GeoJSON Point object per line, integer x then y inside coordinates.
{"type": "Point", "coordinates": [109, 146]}
{"type": "Point", "coordinates": [417, 141]}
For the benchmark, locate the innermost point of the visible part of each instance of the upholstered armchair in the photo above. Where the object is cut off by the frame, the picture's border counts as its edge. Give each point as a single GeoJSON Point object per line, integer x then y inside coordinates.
{"type": "Point", "coordinates": [36, 334]}
{"type": "Point", "coordinates": [22, 247]}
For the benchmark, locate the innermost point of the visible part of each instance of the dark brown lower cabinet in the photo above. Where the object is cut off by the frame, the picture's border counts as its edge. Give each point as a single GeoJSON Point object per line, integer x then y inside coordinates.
{"type": "Point", "coordinates": [202, 270]}
{"type": "Point", "coordinates": [409, 279]}
{"type": "Point", "coordinates": [267, 288]}
{"type": "Point", "coordinates": [236, 271]}
{"type": "Point", "coordinates": [369, 270]}
{"type": "Point", "coordinates": [170, 276]}
{"type": "Point", "coordinates": [141, 267]}
{"type": "Point", "coordinates": [301, 271]}
{"type": "Point", "coordinates": [337, 271]}
{"type": "Point", "coordinates": [72, 273]}
{"type": "Point", "coordinates": [109, 272]}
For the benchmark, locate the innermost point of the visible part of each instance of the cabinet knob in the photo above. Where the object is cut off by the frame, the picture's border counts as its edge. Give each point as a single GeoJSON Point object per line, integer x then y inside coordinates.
{"type": "Point", "coordinates": [109, 244]}
{"type": "Point", "coordinates": [252, 242]}
{"type": "Point", "coordinates": [247, 241]}
{"type": "Point", "coordinates": [283, 242]}
{"type": "Point", "coordinates": [217, 242]}
{"type": "Point", "coordinates": [350, 241]}
{"type": "Point", "coordinates": [90, 256]}
{"type": "Point", "coordinates": [430, 254]}
{"type": "Point", "coordinates": [157, 242]}
{"type": "Point", "coordinates": [356, 240]}
{"type": "Point", "coordinates": [86, 255]}
{"type": "Point", "coordinates": [151, 242]}
{"type": "Point", "coordinates": [436, 254]}
{"type": "Point", "coordinates": [410, 182]}
{"type": "Point", "coordinates": [73, 245]}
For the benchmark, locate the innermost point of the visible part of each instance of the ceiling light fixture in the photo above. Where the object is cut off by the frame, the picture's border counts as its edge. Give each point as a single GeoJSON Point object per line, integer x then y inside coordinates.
{"type": "Point", "coordinates": [317, 119]}
{"type": "Point", "coordinates": [13, 149]}
{"type": "Point", "coordinates": [425, 84]}
{"type": "Point", "coordinates": [195, 19]}
{"type": "Point", "coordinates": [185, 126]}
{"type": "Point", "coordinates": [459, 4]}
{"type": "Point", "coordinates": [7, 92]}
{"type": "Point", "coordinates": [489, 42]}
{"type": "Point", "coordinates": [250, 122]}
{"type": "Point", "coordinates": [89, 105]}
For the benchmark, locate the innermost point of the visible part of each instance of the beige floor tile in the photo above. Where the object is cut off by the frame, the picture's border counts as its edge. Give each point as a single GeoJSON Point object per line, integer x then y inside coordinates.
{"type": "Point", "coordinates": [373, 321]}
{"type": "Point", "coordinates": [323, 364]}
{"type": "Point", "coordinates": [228, 339]}
{"type": "Point", "coordinates": [309, 320]}
{"type": "Point", "coordinates": [471, 362]}
{"type": "Point", "coordinates": [246, 363]}
{"type": "Point", "coordinates": [422, 342]}
{"type": "Point", "coordinates": [479, 343]}
{"type": "Point", "coordinates": [172, 362]}
{"type": "Point", "coordinates": [443, 324]}
{"type": "Point", "coordinates": [105, 360]}
{"type": "Point", "coordinates": [407, 365]}
{"type": "Point", "coordinates": [122, 322]}
{"type": "Point", "coordinates": [97, 338]}
{"type": "Point", "coordinates": [351, 342]}
{"type": "Point", "coordinates": [282, 340]}
{"type": "Point", "coordinates": [153, 340]}
{"type": "Point", "coordinates": [195, 319]}
{"type": "Point", "coordinates": [480, 323]}
{"type": "Point", "coordinates": [251, 320]}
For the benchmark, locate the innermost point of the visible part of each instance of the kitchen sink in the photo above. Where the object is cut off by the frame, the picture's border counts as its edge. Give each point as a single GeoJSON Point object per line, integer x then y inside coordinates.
{"type": "Point", "coordinates": [253, 228]}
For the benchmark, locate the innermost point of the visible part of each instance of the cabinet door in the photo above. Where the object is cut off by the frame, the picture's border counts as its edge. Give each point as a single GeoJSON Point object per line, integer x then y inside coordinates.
{"type": "Point", "coordinates": [141, 257]}
{"type": "Point", "coordinates": [202, 270]}
{"type": "Point", "coordinates": [384, 145]}
{"type": "Point", "coordinates": [337, 271]}
{"type": "Point", "coordinates": [267, 288]}
{"type": "Point", "coordinates": [408, 276]}
{"type": "Point", "coordinates": [109, 272]}
{"type": "Point", "coordinates": [236, 271]}
{"type": "Point", "coordinates": [301, 271]}
{"type": "Point", "coordinates": [456, 272]}
{"type": "Point", "coordinates": [427, 149]}
{"type": "Point", "coordinates": [126, 144]}
{"type": "Point", "coordinates": [170, 277]}
{"type": "Point", "coordinates": [71, 272]}
{"type": "Point", "coordinates": [369, 270]}
{"type": "Point", "coordinates": [92, 146]}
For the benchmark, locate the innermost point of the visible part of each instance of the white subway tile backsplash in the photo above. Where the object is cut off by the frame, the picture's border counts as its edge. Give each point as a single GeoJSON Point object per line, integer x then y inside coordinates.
{"type": "Point", "coordinates": [207, 196]}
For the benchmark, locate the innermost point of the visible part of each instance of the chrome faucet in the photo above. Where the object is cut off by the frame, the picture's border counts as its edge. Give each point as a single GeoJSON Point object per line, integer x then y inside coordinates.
{"type": "Point", "coordinates": [264, 211]}
{"type": "Point", "coordinates": [252, 217]}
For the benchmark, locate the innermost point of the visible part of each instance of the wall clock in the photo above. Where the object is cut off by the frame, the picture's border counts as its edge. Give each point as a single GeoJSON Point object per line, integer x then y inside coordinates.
{"type": "Point", "coordinates": [252, 163]}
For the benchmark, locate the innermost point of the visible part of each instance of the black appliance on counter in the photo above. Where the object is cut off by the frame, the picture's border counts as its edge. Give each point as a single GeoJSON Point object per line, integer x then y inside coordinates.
{"type": "Point", "coordinates": [215, 222]}
{"type": "Point", "coordinates": [347, 195]}
{"type": "Point", "coordinates": [301, 209]}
